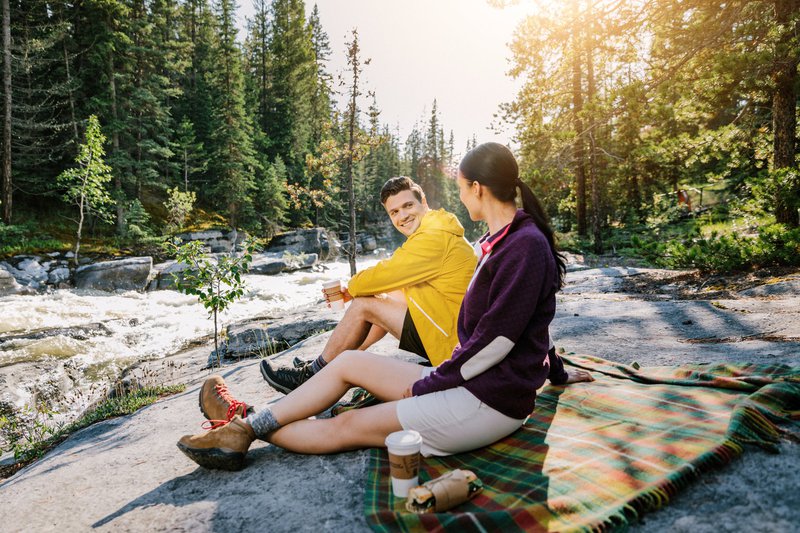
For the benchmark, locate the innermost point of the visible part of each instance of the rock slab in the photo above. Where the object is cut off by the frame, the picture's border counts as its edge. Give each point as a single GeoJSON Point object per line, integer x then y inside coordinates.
{"type": "Point", "coordinates": [132, 274]}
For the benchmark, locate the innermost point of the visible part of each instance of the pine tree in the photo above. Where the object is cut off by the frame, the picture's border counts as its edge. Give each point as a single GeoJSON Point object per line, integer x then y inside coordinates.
{"type": "Point", "coordinates": [288, 115]}
{"type": "Point", "coordinates": [232, 162]}
{"type": "Point", "coordinates": [6, 198]}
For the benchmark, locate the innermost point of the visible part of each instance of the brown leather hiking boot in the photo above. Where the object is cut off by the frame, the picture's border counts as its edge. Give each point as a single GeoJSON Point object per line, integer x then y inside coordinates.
{"type": "Point", "coordinates": [223, 448]}
{"type": "Point", "coordinates": [217, 404]}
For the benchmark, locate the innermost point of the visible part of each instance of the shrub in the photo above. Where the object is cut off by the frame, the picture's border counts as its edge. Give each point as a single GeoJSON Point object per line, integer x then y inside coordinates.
{"type": "Point", "coordinates": [774, 245]}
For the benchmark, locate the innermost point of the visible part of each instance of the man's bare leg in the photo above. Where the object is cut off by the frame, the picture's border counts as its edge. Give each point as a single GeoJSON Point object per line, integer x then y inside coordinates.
{"type": "Point", "coordinates": [366, 320]}
{"type": "Point", "coordinates": [364, 314]}
{"type": "Point", "coordinates": [376, 333]}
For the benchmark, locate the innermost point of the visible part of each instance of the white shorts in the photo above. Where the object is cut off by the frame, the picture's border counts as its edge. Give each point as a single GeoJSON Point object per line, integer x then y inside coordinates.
{"type": "Point", "coordinates": [453, 421]}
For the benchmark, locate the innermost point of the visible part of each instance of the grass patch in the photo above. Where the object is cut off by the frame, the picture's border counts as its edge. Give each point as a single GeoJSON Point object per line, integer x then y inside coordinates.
{"type": "Point", "coordinates": [31, 433]}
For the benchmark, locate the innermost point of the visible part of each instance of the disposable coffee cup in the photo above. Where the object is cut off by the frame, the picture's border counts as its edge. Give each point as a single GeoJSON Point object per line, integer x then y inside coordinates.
{"type": "Point", "coordinates": [404, 447]}
{"type": "Point", "coordinates": [333, 294]}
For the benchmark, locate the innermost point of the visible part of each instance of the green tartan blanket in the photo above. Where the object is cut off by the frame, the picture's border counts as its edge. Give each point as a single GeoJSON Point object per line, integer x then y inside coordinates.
{"type": "Point", "coordinates": [593, 456]}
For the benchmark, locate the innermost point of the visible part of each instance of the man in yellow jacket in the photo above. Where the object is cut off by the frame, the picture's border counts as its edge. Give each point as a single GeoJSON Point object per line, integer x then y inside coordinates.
{"type": "Point", "coordinates": [415, 295]}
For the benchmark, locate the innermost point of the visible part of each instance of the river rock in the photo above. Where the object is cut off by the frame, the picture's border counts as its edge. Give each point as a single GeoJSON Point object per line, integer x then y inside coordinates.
{"type": "Point", "coordinates": [132, 274]}
{"type": "Point", "coordinates": [306, 241]}
{"type": "Point", "coordinates": [264, 337]}
{"type": "Point", "coordinates": [8, 283]}
{"type": "Point", "coordinates": [270, 263]}
{"type": "Point", "coordinates": [58, 275]}
{"type": "Point", "coordinates": [28, 271]}
{"type": "Point", "coordinates": [167, 275]}
{"type": "Point", "coordinates": [217, 241]}
{"type": "Point", "coordinates": [81, 333]}
{"type": "Point", "coordinates": [368, 242]}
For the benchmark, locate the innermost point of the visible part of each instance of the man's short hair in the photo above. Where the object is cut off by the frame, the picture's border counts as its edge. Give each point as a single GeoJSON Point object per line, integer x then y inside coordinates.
{"type": "Point", "coordinates": [399, 184]}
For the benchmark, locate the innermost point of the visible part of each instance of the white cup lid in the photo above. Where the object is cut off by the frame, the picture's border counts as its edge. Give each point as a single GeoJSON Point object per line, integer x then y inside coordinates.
{"type": "Point", "coordinates": [404, 441]}
{"type": "Point", "coordinates": [332, 283]}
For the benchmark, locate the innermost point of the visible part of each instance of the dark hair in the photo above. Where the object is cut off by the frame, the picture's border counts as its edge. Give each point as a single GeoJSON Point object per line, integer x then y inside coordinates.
{"type": "Point", "coordinates": [397, 185]}
{"type": "Point", "coordinates": [494, 166]}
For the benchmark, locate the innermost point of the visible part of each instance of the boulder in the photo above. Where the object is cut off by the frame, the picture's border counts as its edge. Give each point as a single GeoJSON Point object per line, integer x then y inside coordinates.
{"type": "Point", "coordinates": [270, 263]}
{"type": "Point", "coordinates": [167, 275]}
{"type": "Point", "coordinates": [306, 241]}
{"type": "Point", "coordinates": [58, 275]}
{"type": "Point", "coordinates": [216, 241]}
{"type": "Point", "coordinates": [8, 283]}
{"type": "Point", "coordinates": [23, 276]}
{"type": "Point", "coordinates": [368, 242]}
{"type": "Point", "coordinates": [132, 274]}
{"type": "Point", "coordinates": [263, 338]}
{"type": "Point", "coordinates": [81, 333]}
{"type": "Point", "coordinates": [267, 264]}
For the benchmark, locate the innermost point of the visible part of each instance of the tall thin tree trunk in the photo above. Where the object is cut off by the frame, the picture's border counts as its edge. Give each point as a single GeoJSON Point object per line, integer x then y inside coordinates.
{"type": "Point", "coordinates": [578, 152]}
{"type": "Point", "coordinates": [351, 193]}
{"type": "Point", "coordinates": [7, 188]}
{"type": "Point", "coordinates": [354, 62]}
{"type": "Point", "coordinates": [784, 118]}
{"type": "Point", "coordinates": [112, 88]}
{"type": "Point", "coordinates": [75, 133]}
{"type": "Point", "coordinates": [591, 93]}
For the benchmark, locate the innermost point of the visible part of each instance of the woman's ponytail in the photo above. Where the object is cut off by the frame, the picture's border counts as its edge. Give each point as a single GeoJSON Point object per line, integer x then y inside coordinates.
{"type": "Point", "coordinates": [532, 206]}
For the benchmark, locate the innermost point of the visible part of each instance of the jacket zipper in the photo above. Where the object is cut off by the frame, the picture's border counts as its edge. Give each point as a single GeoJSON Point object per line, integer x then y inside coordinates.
{"type": "Point", "coordinates": [428, 316]}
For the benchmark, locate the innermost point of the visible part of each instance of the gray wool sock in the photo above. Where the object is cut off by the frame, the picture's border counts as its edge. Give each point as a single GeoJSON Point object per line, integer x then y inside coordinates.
{"type": "Point", "coordinates": [318, 364]}
{"type": "Point", "coordinates": [263, 423]}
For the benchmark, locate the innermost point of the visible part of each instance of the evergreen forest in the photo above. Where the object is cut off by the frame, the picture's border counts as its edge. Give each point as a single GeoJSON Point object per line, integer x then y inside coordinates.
{"type": "Point", "coordinates": [660, 129]}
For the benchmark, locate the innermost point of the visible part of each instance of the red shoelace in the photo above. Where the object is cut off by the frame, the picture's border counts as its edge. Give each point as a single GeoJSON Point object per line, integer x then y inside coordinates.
{"type": "Point", "coordinates": [233, 405]}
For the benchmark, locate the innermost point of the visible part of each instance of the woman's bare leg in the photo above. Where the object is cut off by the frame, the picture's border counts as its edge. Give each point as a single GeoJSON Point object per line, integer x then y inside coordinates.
{"type": "Point", "coordinates": [384, 377]}
{"type": "Point", "coordinates": [359, 428]}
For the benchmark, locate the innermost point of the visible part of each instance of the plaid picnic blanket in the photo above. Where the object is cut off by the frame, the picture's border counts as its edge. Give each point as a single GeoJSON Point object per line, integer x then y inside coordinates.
{"type": "Point", "coordinates": [594, 456]}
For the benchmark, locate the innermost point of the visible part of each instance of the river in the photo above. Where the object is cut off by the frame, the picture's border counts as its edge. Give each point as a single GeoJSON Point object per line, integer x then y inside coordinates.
{"type": "Point", "coordinates": [136, 326]}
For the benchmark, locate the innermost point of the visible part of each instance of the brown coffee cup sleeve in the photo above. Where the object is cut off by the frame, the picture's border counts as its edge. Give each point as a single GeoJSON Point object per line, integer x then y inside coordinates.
{"type": "Point", "coordinates": [449, 490]}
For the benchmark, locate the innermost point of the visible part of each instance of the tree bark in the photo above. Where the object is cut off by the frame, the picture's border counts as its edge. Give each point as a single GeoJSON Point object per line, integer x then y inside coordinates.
{"type": "Point", "coordinates": [112, 87]}
{"type": "Point", "coordinates": [578, 152]}
{"type": "Point", "coordinates": [591, 97]}
{"type": "Point", "coordinates": [784, 119]}
{"type": "Point", "coordinates": [7, 184]}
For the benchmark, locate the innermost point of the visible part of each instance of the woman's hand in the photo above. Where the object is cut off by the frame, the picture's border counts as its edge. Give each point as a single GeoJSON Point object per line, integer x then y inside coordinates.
{"type": "Point", "coordinates": [575, 375]}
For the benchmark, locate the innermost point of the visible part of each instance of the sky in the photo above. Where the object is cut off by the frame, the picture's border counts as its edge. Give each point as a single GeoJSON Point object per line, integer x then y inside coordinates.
{"type": "Point", "coordinates": [454, 51]}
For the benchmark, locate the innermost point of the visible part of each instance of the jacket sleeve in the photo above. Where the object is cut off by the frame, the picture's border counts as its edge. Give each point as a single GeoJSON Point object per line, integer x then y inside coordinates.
{"type": "Point", "coordinates": [516, 286]}
{"type": "Point", "coordinates": [419, 259]}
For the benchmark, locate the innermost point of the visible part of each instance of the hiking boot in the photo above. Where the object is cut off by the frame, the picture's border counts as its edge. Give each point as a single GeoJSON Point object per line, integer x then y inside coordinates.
{"type": "Point", "coordinates": [361, 398]}
{"type": "Point", "coordinates": [297, 362]}
{"type": "Point", "coordinates": [217, 404]}
{"type": "Point", "coordinates": [285, 379]}
{"type": "Point", "coordinates": [223, 448]}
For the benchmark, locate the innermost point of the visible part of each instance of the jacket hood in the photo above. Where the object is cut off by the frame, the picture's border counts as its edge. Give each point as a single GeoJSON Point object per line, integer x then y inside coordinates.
{"type": "Point", "coordinates": [439, 219]}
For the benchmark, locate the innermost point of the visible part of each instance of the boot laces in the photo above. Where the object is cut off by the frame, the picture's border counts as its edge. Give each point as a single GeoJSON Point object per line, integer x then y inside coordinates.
{"type": "Point", "coordinates": [233, 405]}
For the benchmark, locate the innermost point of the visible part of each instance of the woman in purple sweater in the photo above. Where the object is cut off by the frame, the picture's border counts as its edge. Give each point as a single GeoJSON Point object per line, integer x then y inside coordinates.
{"type": "Point", "coordinates": [481, 394]}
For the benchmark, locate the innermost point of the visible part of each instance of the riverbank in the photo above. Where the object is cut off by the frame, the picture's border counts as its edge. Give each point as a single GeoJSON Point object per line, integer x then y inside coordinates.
{"type": "Point", "coordinates": [127, 474]}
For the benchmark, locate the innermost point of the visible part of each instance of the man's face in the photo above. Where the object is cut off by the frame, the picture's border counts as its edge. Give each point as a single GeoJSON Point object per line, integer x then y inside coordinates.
{"type": "Point", "coordinates": [405, 211]}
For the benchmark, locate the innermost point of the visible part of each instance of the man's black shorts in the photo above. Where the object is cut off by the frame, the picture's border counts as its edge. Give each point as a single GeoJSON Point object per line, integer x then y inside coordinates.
{"type": "Point", "coordinates": [409, 338]}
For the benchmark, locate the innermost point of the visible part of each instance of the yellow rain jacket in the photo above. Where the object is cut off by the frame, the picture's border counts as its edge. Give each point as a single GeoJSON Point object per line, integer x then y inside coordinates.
{"type": "Point", "coordinates": [433, 268]}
